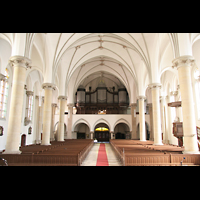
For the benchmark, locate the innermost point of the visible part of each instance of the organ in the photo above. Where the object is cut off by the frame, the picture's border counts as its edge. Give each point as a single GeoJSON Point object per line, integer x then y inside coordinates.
{"type": "Point", "coordinates": [102, 99]}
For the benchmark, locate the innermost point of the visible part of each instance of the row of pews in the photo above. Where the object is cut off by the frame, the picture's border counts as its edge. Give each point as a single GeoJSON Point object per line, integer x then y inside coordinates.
{"type": "Point", "coordinates": [67, 153]}
{"type": "Point", "coordinates": [144, 153]}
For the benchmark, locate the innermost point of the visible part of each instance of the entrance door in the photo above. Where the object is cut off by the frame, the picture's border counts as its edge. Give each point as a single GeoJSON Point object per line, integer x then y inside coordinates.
{"type": "Point", "coordinates": [23, 140]}
{"type": "Point", "coordinates": [102, 136]}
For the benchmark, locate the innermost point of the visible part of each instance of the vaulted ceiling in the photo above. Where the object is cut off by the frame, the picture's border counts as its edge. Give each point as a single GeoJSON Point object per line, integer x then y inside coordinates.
{"type": "Point", "coordinates": [132, 59]}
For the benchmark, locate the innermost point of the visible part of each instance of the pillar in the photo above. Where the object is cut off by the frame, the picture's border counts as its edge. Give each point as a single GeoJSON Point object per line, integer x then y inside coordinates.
{"type": "Point", "coordinates": [92, 134]}
{"type": "Point", "coordinates": [62, 100]}
{"type": "Point", "coordinates": [155, 87]}
{"type": "Point", "coordinates": [151, 122]}
{"type": "Point", "coordinates": [142, 118]}
{"type": "Point", "coordinates": [53, 107]}
{"type": "Point", "coordinates": [38, 135]}
{"type": "Point", "coordinates": [36, 118]}
{"type": "Point", "coordinates": [133, 114]}
{"type": "Point", "coordinates": [163, 118]}
{"type": "Point", "coordinates": [20, 64]}
{"type": "Point", "coordinates": [69, 124]}
{"type": "Point", "coordinates": [183, 65]}
{"type": "Point", "coordinates": [48, 87]}
{"type": "Point", "coordinates": [112, 135]}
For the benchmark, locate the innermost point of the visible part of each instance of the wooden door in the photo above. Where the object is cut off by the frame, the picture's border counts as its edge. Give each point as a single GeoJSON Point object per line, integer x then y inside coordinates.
{"type": "Point", "coordinates": [102, 136]}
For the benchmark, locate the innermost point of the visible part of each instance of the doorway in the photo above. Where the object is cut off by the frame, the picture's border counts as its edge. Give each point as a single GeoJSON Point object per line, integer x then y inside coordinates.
{"type": "Point", "coordinates": [102, 132]}
{"type": "Point", "coordinates": [23, 140]}
{"type": "Point", "coordinates": [122, 131]}
{"type": "Point", "coordinates": [120, 136]}
{"type": "Point", "coordinates": [80, 135]}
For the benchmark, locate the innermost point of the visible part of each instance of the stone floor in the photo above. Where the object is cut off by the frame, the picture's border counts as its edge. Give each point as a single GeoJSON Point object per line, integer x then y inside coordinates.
{"type": "Point", "coordinates": [91, 158]}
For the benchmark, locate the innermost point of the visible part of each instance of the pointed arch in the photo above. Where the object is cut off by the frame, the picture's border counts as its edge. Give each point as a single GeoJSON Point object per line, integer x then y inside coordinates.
{"type": "Point", "coordinates": [122, 121]}
{"type": "Point", "coordinates": [101, 121]}
{"type": "Point", "coordinates": [83, 121]}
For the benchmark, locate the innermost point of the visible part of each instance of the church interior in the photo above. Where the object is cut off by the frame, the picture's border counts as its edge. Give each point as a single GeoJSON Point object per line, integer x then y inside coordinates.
{"type": "Point", "coordinates": [136, 94]}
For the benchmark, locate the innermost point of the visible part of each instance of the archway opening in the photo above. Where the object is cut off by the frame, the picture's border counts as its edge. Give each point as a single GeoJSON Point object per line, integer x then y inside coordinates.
{"type": "Point", "coordinates": [122, 131]}
{"type": "Point", "coordinates": [102, 132]}
{"type": "Point", "coordinates": [82, 131]}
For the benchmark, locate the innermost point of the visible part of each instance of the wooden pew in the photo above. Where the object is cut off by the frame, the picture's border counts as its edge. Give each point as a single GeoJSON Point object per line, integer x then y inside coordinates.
{"type": "Point", "coordinates": [136, 153]}
{"type": "Point", "coordinates": [68, 153]}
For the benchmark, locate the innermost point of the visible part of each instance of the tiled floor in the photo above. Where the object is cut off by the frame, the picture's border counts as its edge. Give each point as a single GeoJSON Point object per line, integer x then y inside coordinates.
{"type": "Point", "coordinates": [91, 158]}
{"type": "Point", "coordinates": [112, 159]}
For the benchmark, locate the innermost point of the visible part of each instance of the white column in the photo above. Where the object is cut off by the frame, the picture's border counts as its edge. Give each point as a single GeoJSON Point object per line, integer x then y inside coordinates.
{"type": "Point", "coordinates": [91, 134]}
{"type": "Point", "coordinates": [155, 87]}
{"type": "Point", "coordinates": [53, 106]}
{"type": "Point", "coordinates": [164, 119]}
{"type": "Point", "coordinates": [36, 119]}
{"type": "Point", "coordinates": [112, 134]}
{"type": "Point", "coordinates": [142, 118]}
{"type": "Point", "coordinates": [38, 136]}
{"type": "Point", "coordinates": [133, 121]}
{"type": "Point", "coordinates": [183, 65]}
{"type": "Point", "coordinates": [69, 124]}
{"type": "Point", "coordinates": [61, 117]}
{"type": "Point", "coordinates": [20, 65]}
{"type": "Point", "coordinates": [48, 87]}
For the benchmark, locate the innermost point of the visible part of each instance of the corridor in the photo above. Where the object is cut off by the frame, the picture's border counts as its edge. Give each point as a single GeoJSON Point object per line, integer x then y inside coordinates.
{"type": "Point", "coordinates": [92, 157]}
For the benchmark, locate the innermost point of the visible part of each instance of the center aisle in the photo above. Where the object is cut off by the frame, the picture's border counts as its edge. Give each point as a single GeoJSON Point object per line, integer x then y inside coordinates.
{"type": "Point", "coordinates": [102, 159]}
{"type": "Point", "coordinates": [93, 156]}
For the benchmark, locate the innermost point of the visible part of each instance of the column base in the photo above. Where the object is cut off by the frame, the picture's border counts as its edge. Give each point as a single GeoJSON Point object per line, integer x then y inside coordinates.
{"type": "Point", "coordinates": [45, 144]}
{"type": "Point", "coordinates": [158, 144]}
{"type": "Point", "coordinates": [143, 140]}
{"type": "Point", "coordinates": [12, 152]}
{"type": "Point", "coordinates": [191, 152]}
{"type": "Point", "coordinates": [60, 140]}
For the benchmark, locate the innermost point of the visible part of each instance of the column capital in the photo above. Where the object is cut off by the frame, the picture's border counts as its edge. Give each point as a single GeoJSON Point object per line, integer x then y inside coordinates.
{"type": "Point", "coordinates": [133, 104]}
{"type": "Point", "coordinates": [54, 105]}
{"type": "Point", "coordinates": [173, 93]}
{"type": "Point", "coordinates": [20, 61]}
{"type": "Point", "coordinates": [141, 97]}
{"type": "Point", "coordinates": [62, 97]}
{"type": "Point", "coordinates": [48, 86]}
{"type": "Point", "coordinates": [155, 86]}
{"type": "Point", "coordinates": [29, 93]}
{"type": "Point", "coordinates": [183, 61]}
{"type": "Point", "coordinates": [70, 105]}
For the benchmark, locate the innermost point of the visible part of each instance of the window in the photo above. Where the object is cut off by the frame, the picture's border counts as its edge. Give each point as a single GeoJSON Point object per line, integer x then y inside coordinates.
{"type": "Point", "coordinates": [101, 129]}
{"type": "Point", "coordinates": [4, 94]}
{"type": "Point", "coordinates": [197, 91]}
{"type": "Point", "coordinates": [29, 105]}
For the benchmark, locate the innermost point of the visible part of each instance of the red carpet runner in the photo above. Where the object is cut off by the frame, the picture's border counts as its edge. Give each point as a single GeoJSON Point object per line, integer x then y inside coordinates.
{"type": "Point", "coordinates": [102, 159]}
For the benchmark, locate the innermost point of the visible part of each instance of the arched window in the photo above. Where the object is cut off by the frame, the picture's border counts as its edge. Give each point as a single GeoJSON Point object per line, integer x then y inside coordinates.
{"type": "Point", "coordinates": [4, 94]}
{"type": "Point", "coordinates": [197, 91]}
